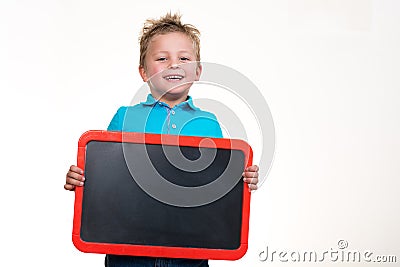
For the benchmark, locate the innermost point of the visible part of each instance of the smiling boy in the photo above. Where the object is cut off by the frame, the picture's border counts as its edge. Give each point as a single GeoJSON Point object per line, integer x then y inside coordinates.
{"type": "Point", "coordinates": [169, 63]}
{"type": "Point", "coordinates": [163, 67]}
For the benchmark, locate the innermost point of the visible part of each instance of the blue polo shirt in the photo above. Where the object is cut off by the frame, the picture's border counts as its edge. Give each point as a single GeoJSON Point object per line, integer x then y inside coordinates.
{"type": "Point", "coordinates": [153, 116]}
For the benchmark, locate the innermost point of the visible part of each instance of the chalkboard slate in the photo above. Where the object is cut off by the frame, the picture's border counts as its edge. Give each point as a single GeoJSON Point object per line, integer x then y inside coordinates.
{"type": "Point", "coordinates": [114, 215]}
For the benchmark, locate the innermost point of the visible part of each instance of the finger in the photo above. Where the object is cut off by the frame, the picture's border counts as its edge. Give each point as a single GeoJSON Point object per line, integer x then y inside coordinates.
{"type": "Point", "coordinates": [74, 182]}
{"type": "Point", "coordinates": [250, 174]}
{"type": "Point", "coordinates": [76, 169]}
{"type": "Point", "coordinates": [76, 176]}
{"type": "Point", "coordinates": [253, 168]}
{"type": "Point", "coordinates": [251, 180]}
{"type": "Point", "coordinates": [252, 187]}
{"type": "Point", "coordinates": [69, 187]}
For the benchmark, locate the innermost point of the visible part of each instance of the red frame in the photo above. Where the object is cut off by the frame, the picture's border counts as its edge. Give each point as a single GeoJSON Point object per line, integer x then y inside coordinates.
{"type": "Point", "coordinates": [159, 251]}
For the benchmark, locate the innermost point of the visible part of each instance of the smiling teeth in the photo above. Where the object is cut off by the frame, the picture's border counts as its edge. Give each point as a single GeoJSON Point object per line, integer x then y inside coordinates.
{"type": "Point", "coordinates": [174, 77]}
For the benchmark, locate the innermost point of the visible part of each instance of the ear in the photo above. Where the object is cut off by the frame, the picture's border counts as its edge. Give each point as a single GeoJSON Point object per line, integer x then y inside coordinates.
{"type": "Point", "coordinates": [142, 72]}
{"type": "Point", "coordinates": [199, 69]}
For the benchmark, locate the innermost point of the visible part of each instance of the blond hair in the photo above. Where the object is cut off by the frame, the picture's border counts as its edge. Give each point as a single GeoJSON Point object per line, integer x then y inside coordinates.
{"type": "Point", "coordinates": [167, 24]}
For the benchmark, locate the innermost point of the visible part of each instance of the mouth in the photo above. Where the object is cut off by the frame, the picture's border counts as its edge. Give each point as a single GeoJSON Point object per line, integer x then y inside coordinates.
{"type": "Point", "coordinates": [173, 77]}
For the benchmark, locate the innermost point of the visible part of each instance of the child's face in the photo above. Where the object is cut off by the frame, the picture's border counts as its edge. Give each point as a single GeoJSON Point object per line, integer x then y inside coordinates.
{"type": "Point", "coordinates": [170, 65]}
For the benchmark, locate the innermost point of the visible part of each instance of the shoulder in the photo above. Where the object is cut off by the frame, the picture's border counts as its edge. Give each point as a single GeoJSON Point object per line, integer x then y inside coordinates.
{"type": "Point", "coordinates": [204, 113]}
{"type": "Point", "coordinates": [123, 109]}
{"type": "Point", "coordinates": [122, 114]}
{"type": "Point", "coordinates": [198, 111]}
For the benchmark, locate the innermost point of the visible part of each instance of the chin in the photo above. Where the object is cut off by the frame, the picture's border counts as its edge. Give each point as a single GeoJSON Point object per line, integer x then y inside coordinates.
{"type": "Point", "coordinates": [179, 90]}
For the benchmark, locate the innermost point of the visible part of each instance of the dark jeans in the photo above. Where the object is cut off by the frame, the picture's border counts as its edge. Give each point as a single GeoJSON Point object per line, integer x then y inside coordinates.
{"type": "Point", "coordinates": [129, 261]}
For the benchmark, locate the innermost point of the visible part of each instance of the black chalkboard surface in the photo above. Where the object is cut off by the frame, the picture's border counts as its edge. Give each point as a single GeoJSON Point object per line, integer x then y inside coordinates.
{"type": "Point", "coordinates": [116, 213]}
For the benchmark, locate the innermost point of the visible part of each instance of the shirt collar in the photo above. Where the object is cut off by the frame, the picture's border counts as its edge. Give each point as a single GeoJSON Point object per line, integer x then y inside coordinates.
{"type": "Point", "coordinates": [150, 101]}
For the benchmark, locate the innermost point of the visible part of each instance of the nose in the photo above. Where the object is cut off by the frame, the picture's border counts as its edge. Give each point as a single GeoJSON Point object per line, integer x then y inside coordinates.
{"type": "Point", "coordinates": [174, 63]}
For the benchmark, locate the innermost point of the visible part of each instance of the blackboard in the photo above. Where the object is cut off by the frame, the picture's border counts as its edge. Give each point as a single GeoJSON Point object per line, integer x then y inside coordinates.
{"type": "Point", "coordinates": [116, 214]}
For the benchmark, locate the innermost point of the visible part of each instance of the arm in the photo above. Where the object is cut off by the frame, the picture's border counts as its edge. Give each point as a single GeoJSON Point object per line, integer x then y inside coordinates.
{"type": "Point", "coordinates": [250, 174]}
{"type": "Point", "coordinates": [75, 176]}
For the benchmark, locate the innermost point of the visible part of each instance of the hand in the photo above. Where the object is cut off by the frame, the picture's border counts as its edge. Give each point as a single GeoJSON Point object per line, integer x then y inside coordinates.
{"type": "Point", "coordinates": [74, 178]}
{"type": "Point", "coordinates": [250, 176]}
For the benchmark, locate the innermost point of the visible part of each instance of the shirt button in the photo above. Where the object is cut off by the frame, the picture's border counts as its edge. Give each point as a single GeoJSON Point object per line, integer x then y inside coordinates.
{"type": "Point", "coordinates": [173, 112]}
{"type": "Point", "coordinates": [174, 125]}
{"type": "Point", "coordinates": [159, 103]}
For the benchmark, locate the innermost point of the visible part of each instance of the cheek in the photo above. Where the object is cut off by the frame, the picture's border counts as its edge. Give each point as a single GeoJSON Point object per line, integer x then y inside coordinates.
{"type": "Point", "coordinates": [149, 72]}
{"type": "Point", "coordinates": [152, 68]}
{"type": "Point", "coordinates": [191, 70]}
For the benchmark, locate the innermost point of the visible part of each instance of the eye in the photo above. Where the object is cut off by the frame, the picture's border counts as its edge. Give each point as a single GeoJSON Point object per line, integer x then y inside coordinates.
{"type": "Point", "coordinates": [161, 59]}
{"type": "Point", "coordinates": [184, 59]}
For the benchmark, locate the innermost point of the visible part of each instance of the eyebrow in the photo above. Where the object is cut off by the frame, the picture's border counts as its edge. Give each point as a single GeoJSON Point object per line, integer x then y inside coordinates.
{"type": "Point", "coordinates": [164, 51]}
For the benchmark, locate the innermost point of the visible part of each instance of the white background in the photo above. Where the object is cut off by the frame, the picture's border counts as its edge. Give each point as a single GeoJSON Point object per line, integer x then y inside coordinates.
{"type": "Point", "coordinates": [329, 70]}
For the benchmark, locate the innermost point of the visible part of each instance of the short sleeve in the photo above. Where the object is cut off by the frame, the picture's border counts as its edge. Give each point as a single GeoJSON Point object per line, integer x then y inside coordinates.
{"type": "Point", "coordinates": [117, 121]}
{"type": "Point", "coordinates": [216, 128]}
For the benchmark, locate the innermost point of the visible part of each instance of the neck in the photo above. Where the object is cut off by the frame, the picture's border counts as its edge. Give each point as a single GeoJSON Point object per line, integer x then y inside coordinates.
{"type": "Point", "coordinates": [170, 100]}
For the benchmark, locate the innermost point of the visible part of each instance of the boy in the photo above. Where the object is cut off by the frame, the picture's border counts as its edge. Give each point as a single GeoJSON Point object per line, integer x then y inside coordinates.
{"type": "Point", "coordinates": [169, 63]}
